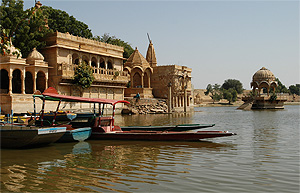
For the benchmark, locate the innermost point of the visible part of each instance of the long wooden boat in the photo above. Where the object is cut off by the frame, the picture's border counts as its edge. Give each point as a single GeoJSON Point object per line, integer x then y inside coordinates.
{"type": "Point", "coordinates": [183, 127]}
{"type": "Point", "coordinates": [159, 135]}
{"type": "Point", "coordinates": [21, 136]}
{"type": "Point", "coordinates": [104, 127]}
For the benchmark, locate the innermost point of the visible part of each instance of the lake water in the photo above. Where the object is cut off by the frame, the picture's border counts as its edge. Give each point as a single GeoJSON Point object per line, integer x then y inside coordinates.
{"type": "Point", "coordinates": [262, 157]}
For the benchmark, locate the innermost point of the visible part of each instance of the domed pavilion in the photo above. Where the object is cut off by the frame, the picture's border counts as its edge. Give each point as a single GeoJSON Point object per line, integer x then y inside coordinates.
{"type": "Point", "coordinates": [263, 79]}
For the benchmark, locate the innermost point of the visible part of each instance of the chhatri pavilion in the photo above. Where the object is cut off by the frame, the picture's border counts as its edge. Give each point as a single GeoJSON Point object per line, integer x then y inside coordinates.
{"type": "Point", "coordinates": [264, 81]}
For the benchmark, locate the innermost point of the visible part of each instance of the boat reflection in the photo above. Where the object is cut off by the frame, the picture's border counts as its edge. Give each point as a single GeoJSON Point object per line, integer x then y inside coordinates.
{"type": "Point", "coordinates": [97, 165]}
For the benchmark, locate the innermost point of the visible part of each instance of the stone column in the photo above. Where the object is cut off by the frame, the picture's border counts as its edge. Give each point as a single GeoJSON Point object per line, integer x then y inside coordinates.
{"type": "Point", "coordinates": [170, 98]}
{"type": "Point", "coordinates": [142, 81]}
{"type": "Point", "coordinates": [34, 81]}
{"type": "Point", "coordinates": [46, 81]}
{"type": "Point", "coordinates": [185, 99]}
{"type": "Point", "coordinates": [23, 81]}
{"type": "Point", "coordinates": [10, 85]}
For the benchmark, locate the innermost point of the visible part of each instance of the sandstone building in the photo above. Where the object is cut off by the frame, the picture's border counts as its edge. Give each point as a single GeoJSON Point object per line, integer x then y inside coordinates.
{"type": "Point", "coordinates": [171, 82]}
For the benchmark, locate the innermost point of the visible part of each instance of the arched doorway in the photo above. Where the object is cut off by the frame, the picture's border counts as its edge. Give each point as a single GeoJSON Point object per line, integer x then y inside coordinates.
{"type": "Point", "coordinates": [94, 64]}
{"type": "Point", "coordinates": [146, 81]}
{"type": "Point", "coordinates": [4, 86]}
{"type": "Point", "coordinates": [28, 83]}
{"type": "Point", "coordinates": [16, 82]}
{"type": "Point", "coordinates": [137, 80]}
{"type": "Point", "coordinates": [75, 59]}
{"type": "Point", "coordinates": [41, 81]}
{"type": "Point", "coordinates": [109, 65]}
{"type": "Point", "coordinates": [102, 63]}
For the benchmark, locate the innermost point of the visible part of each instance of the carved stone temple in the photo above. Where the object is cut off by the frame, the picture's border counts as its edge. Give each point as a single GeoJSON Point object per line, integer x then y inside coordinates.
{"type": "Point", "coordinates": [54, 66]}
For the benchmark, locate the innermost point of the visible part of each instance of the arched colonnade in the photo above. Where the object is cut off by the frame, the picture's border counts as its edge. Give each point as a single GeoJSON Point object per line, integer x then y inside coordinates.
{"type": "Point", "coordinates": [139, 77]}
{"type": "Point", "coordinates": [20, 81]}
{"type": "Point", "coordinates": [94, 61]}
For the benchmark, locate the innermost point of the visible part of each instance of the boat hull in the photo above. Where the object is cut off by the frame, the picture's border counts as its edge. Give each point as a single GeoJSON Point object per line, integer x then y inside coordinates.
{"type": "Point", "coordinates": [186, 127]}
{"type": "Point", "coordinates": [74, 135]}
{"type": "Point", "coordinates": [160, 136]}
{"type": "Point", "coordinates": [21, 136]}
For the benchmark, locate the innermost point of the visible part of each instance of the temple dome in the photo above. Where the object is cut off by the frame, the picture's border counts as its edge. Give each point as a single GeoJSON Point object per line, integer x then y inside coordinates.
{"type": "Point", "coordinates": [136, 59]}
{"type": "Point", "coordinates": [35, 55]}
{"type": "Point", "coordinates": [263, 75]}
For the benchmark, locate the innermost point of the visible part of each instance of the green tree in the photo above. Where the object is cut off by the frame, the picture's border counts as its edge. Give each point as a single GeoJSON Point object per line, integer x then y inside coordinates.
{"type": "Point", "coordinates": [215, 92]}
{"type": "Point", "coordinates": [83, 77]}
{"type": "Point", "coordinates": [106, 38]}
{"type": "Point", "coordinates": [295, 89]}
{"type": "Point", "coordinates": [230, 95]}
{"type": "Point", "coordinates": [61, 21]}
{"type": "Point", "coordinates": [281, 88]}
{"type": "Point", "coordinates": [234, 84]}
{"type": "Point", "coordinates": [24, 28]}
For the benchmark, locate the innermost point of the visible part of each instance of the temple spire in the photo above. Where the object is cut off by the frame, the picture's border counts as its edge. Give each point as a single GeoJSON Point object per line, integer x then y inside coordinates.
{"type": "Point", "coordinates": [150, 56]}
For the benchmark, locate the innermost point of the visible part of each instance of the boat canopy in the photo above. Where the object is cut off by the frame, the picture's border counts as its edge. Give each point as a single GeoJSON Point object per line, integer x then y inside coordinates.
{"type": "Point", "coordinates": [52, 94]}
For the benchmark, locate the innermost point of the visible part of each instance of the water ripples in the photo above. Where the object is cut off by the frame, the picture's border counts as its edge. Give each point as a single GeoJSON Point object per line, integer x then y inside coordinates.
{"type": "Point", "coordinates": [263, 157]}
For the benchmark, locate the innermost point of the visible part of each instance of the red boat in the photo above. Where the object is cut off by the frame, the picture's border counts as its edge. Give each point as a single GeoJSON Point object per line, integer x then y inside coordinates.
{"type": "Point", "coordinates": [104, 127]}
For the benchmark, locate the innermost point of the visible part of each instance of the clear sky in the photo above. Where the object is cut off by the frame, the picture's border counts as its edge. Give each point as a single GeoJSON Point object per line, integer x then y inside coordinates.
{"type": "Point", "coordinates": [219, 40]}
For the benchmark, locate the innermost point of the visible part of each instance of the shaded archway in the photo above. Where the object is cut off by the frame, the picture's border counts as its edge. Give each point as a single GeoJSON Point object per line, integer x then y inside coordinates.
{"type": "Point", "coordinates": [109, 65]}
{"type": "Point", "coordinates": [4, 86]}
{"type": "Point", "coordinates": [137, 80]}
{"type": "Point", "coordinates": [16, 82]}
{"type": "Point", "coordinates": [146, 81]}
{"type": "Point", "coordinates": [28, 83]}
{"type": "Point", "coordinates": [75, 59]}
{"type": "Point", "coordinates": [102, 63]}
{"type": "Point", "coordinates": [147, 77]}
{"type": "Point", "coordinates": [41, 81]}
{"type": "Point", "coordinates": [94, 64]}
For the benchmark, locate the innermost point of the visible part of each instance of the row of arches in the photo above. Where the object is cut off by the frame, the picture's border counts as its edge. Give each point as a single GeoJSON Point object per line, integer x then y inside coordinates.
{"type": "Point", "coordinates": [257, 87]}
{"type": "Point", "coordinates": [93, 62]}
{"type": "Point", "coordinates": [17, 84]}
{"type": "Point", "coordinates": [139, 78]}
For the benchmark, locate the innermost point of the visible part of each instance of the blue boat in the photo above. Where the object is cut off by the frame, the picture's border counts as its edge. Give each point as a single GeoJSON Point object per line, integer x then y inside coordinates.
{"type": "Point", "coordinates": [73, 135]}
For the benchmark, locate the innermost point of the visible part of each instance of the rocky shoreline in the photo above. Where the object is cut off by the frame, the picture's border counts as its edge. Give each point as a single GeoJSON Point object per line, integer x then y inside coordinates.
{"type": "Point", "coordinates": [146, 106]}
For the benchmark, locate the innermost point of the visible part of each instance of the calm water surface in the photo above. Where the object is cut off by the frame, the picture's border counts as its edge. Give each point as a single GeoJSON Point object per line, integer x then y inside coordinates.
{"type": "Point", "coordinates": [263, 157]}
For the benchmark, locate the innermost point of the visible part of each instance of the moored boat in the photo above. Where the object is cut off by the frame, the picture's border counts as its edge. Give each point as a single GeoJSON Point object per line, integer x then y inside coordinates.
{"type": "Point", "coordinates": [183, 127]}
{"type": "Point", "coordinates": [159, 135]}
{"type": "Point", "coordinates": [104, 127]}
{"type": "Point", "coordinates": [21, 136]}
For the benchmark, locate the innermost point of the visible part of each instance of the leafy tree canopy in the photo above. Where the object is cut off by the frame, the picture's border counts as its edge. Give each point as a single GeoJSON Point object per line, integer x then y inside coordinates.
{"type": "Point", "coordinates": [26, 28]}
{"type": "Point", "coordinates": [230, 95]}
{"type": "Point", "coordinates": [281, 88]}
{"type": "Point", "coordinates": [61, 21]}
{"type": "Point", "coordinates": [295, 89]}
{"type": "Point", "coordinates": [83, 76]}
{"type": "Point", "coordinates": [106, 38]}
{"type": "Point", "coordinates": [234, 84]}
{"type": "Point", "coordinates": [215, 91]}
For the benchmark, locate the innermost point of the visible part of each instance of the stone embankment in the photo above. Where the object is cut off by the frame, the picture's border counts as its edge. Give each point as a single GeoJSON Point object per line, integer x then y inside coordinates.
{"type": "Point", "coordinates": [145, 106]}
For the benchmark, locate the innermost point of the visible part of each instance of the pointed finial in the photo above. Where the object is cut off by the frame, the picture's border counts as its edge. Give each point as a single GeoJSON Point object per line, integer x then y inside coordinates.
{"type": "Point", "coordinates": [149, 38]}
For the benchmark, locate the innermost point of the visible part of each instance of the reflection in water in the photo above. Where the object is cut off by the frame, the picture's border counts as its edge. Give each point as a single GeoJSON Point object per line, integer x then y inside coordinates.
{"type": "Point", "coordinates": [262, 157]}
{"type": "Point", "coordinates": [97, 165]}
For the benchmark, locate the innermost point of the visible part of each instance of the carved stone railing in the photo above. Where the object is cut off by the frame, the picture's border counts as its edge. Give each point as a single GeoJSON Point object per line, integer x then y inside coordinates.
{"type": "Point", "coordinates": [100, 74]}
